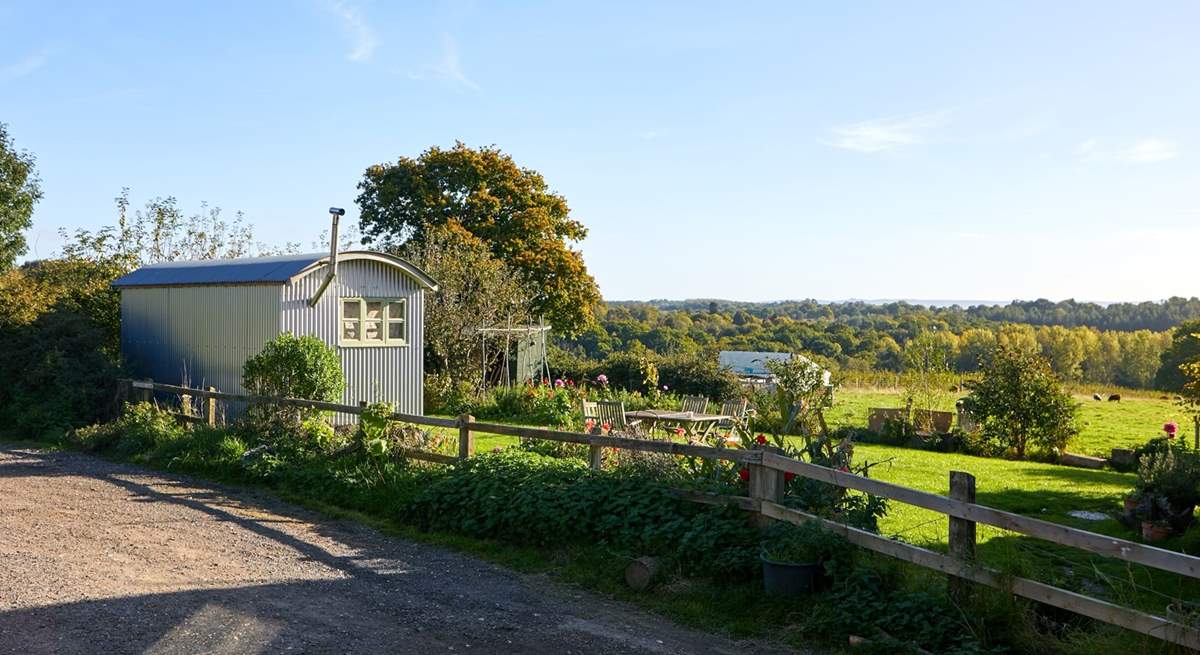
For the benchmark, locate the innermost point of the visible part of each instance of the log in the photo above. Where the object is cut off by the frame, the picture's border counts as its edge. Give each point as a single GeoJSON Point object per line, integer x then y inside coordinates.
{"type": "Point", "coordinates": [640, 572]}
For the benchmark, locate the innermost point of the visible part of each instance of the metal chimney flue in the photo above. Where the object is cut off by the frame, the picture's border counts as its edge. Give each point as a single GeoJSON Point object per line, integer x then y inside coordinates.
{"type": "Point", "coordinates": [335, 214]}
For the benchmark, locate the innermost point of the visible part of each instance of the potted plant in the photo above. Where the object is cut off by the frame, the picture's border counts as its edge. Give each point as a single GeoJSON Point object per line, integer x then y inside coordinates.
{"type": "Point", "coordinates": [1169, 486]}
{"type": "Point", "coordinates": [1155, 531]}
{"type": "Point", "coordinates": [800, 559]}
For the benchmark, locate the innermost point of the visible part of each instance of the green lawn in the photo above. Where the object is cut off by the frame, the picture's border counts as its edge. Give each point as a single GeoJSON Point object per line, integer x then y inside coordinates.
{"type": "Point", "coordinates": [1103, 425]}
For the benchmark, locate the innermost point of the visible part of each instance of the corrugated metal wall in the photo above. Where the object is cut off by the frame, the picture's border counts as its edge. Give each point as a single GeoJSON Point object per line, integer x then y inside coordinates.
{"type": "Point", "coordinates": [393, 374]}
{"type": "Point", "coordinates": [198, 335]}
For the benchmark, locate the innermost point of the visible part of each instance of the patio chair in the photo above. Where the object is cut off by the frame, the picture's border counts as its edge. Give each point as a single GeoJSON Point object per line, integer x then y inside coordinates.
{"type": "Point", "coordinates": [590, 410]}
{"type": "Point", "coordinates": [734, 408]}
{"type": "Point", "coordinates": [613, 413]}
{"type": "Point", "coordinates": [695, 404]}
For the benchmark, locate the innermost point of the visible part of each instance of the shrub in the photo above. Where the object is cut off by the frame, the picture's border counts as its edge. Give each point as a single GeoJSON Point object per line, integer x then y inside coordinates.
{"type": "Point", "coordinates": [531, 499]}
{"type": "Point", "coordinates": [1020, 403]}
{"type": "Point", "coordinates": [141, 428]}
{"type": "Point", "coordinates": [293, 367]}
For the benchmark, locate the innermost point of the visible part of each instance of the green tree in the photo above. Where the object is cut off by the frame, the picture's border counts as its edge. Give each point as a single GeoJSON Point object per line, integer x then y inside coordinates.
{"type": "Point", "coordinates": [1184, 348]}
{"type": "Point", "coordinates": [509, 208]}
{"type": "Point", "coordinates": [1020, 403]}
{"type": "Point", "coordinates": [475, 290]}
{"type": "Point", "coordinates": [19, 192]}
{"type": "Point", "coordinates": [927, 374]}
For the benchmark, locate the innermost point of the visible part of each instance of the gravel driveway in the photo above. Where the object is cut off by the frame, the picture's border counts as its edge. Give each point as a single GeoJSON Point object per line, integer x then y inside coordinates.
{"type": "Point", "coordinates": [98, 557]}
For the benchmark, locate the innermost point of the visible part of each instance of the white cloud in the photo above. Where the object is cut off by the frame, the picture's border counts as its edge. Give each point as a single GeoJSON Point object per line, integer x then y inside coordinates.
{"type": "Point", "coordinates": [25, 66]}
{"type": "Point", "coordinates": [1145, 151]}
{"type": "Point", "coordinates": [448, 67]}
{"type": "Point", "coordinates": [1149, 151]}
{"type": "Point", "coordinates": [884, 134]}
{"type": "Point", "coordinates": [362, 38]}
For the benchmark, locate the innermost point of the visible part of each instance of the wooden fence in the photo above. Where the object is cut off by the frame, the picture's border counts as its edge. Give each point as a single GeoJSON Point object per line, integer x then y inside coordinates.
{"type": "Point", "coordinates": [767, 470]}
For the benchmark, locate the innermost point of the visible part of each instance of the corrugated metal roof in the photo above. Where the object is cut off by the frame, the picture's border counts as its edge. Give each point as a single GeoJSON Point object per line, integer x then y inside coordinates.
{"type": "Point", "coordinates": [250, 270]}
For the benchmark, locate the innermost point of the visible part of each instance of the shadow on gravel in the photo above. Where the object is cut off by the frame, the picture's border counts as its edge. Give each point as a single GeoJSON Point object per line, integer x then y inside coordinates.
{"type": "Point", "coordinates": [379, 595]}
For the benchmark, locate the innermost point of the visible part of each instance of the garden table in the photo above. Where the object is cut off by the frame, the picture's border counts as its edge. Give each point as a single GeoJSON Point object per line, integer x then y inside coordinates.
{"type": "Point", "coordinates": [693, 423]}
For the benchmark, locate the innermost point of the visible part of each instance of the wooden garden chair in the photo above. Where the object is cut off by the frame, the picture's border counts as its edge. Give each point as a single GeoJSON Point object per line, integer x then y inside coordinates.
{"type": "Point", "coordinates": [613, 413]}
{"type": "Point", "coordinates": [590, 410]}
{"type": "Point", "coordinates": [695, 404]}
{"type": "Point", "coordinates": [736, 409]}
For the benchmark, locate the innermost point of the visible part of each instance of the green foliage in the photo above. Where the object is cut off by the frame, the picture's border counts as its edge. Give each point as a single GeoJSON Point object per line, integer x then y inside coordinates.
{"type": "Point", "coordinates": [293, 367]}
{"type": "Point", "coordinates": [475, 289]}
{"type": "Point", "coordinates": [141, 428]}
{"type": "Point", "coordinates": [531, 499]}
{"type": "Point", "coordinates": [1172, 474]}
{"type": "Point", "coordinates": [59, 361]}
{"type": "Point", "coordinates": [1184, 348]}
{"type": "Point", "coordinates": [808, 543]}
{"type": "Point", "coordinates": [20, 191]}
{"type": "Point", "coordinates": [511, 209]}
{"type": "Point", "coordinates": [1020, 403]}
{"type": "Point", "coordinates": [896, 621]}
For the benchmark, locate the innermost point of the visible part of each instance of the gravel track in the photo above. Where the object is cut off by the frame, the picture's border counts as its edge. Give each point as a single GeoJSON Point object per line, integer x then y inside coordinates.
{"type": "Point", "coordinates": [97, 557]}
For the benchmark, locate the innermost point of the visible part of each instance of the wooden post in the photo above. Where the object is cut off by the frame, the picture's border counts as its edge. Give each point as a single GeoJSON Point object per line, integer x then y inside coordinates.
{"type": "Point", "coordinates": [210, 411]}
{"type": "Point", "coordinates": [148, 392]}
{"type": "Point", "coordinates": [765, 484]}
{"type": "Point", "coordinates": [596, 457]}
{"type": "Point", "coordinates": [185, 404]}
{"type": "Point", "coordinates": [962, 534]}
{"type": "Point", "coordinates": [466, 438]}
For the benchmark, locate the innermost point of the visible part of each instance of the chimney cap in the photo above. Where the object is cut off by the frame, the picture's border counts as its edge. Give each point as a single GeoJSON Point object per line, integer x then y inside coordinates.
{"type": "Point", "coordinates": [337, 210]}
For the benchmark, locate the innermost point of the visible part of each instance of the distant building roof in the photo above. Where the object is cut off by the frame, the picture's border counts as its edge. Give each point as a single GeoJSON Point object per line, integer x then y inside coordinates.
{"type": "Point", "coordinates": [253, 270]}
{"type": "Point", "coordinates": [750, 364]}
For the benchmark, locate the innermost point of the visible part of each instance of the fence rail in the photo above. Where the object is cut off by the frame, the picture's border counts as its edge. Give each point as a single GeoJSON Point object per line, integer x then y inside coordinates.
{"type": "Point", "coordinates": [767, 470]}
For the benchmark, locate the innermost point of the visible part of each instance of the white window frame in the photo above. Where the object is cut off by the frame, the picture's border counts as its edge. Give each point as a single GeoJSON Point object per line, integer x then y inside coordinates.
{"type": "Point", "coordinates": [385, 321]}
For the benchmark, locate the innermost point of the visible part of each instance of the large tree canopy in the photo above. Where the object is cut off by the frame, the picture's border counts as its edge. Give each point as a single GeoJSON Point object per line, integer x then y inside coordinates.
{"type": "Point", "coordinates": [509, 208]}
{"type": "Point", "coordinates": [19, 192]}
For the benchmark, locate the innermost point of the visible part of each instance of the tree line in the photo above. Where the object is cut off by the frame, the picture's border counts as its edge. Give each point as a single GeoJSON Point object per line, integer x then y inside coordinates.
{"type": "Point", "coordinates": [862, 337]}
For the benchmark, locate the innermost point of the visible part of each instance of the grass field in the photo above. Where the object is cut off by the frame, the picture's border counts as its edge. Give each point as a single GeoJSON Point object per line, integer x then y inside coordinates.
{"type": "Point", "coordinates": [1103, 425]}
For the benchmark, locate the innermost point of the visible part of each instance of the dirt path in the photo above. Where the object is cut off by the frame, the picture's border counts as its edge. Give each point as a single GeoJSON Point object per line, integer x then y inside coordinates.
{"type": "Point", "coordinates": [103, 558]}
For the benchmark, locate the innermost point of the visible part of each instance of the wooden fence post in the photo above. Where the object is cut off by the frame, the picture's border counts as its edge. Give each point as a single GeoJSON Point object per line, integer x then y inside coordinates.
{"type": "Point", "coordinates": [148, 392]}
{"type": "Point", "coordinates": [185, 404]}
{"type": "Point", "coordinates": [962, 534]}
{"type": "Point", "coordinates": [596, 457]}
{"type": "Point", "coordinates": [765, 484]}
{"type": "Point", "coordinates": [210, 410]}
{"type": "Point", "coordinates": [466, 438]}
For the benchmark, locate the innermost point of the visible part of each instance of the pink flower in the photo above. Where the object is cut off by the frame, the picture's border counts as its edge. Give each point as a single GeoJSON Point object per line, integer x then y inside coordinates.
{"type": "Point", "coordinates": [589, 424]}
{"type": "Point", "coordinates": [558, 384]}
{"type": "Point", "coordinates": [679, 432]}
{"type": "Point", "coordinates": [602, 378]}
{"type": "Point", "coordinates": [666, 388]}
{"type": "Point", "coordinates": [1170, 428]}
{"type": "Point", "coordinates": [844, 469]}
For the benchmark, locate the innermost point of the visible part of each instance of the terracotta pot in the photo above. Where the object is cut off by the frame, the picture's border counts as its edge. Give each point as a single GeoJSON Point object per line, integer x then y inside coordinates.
{"type": "Point", "coordinates": [1154, 532]}
{"type": "Point", "coordinates": [1132, 503]}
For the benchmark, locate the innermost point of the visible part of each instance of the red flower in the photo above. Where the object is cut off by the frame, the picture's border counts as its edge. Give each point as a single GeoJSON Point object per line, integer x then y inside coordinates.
{"type": "Point", "coordinates": [760, 439]}
{"type": "Point", "coordinates": [679, 432]}
{"type": "Point", "coordinates": [589, 424]}
{"type": "Point", "coordinates": [788, 476]}
{"type": "Point", "coordinates": [606, 426]}
{"type": "Point", "coordinates": [844, 469]}
{"type": "Point", "coordinates": [744, 474]}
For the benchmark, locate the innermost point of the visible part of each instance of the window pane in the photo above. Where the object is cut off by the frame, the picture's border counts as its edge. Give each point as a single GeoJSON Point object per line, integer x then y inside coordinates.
{"type": "Point", "coordinates": [395, 311]}
{"type": "Point", "coordinates": [350, 330]}
{"type": "Point", "coordinates": [350, 309]}
{"type": "Point", "coordinates": [374, 311]}
{"type": "Point", "coordinates": [372, 331]}
{"type": "Point", "coordinates": [395, 330]}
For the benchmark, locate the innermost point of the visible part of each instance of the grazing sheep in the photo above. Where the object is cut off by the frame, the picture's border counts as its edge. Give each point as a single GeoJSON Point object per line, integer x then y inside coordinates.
{"type": "Point", "coordinates": [1115, 398]}
{"type": "Point", "coordinates": [1097, 396]}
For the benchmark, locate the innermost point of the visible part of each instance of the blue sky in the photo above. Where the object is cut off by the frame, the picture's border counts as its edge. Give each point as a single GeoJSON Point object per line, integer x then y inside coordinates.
{"type": "Point", "coordinates": [739, 150]}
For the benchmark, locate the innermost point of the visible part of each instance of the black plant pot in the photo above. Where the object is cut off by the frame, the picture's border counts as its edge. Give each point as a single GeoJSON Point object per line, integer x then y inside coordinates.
{"type": "Point", "coordinates": [789, 578]}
